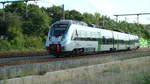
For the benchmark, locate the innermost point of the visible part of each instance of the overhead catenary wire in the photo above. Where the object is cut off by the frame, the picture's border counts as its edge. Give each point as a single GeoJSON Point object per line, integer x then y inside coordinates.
{"type": "Point", "coordinates": [137, 14]}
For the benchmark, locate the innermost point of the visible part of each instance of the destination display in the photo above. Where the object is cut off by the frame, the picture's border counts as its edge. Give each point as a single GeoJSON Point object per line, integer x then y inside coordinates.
{"type": "Point", "coordinates": [60, 26]}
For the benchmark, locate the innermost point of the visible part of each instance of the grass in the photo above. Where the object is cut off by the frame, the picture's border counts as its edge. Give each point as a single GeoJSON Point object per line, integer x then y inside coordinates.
{"type": "Point", "coordinates": [1, 78]}
{"type": "Point", "coordinates": [115, 69]}
{"type": "Point", "coordinates": [136, 56]}
{"type": "Point", "coordinates": [146, 79]}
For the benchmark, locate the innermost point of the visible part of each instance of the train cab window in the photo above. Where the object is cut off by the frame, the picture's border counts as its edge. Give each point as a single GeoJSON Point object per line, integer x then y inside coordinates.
{"type": "Point", "coordinates": [58, 29]}
{"type": "Point", "coordinates": [58, 32]}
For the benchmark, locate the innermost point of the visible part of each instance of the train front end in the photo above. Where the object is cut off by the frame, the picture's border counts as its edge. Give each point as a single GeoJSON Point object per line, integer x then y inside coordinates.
{"type": "Point", "coordinates": [57, 37]}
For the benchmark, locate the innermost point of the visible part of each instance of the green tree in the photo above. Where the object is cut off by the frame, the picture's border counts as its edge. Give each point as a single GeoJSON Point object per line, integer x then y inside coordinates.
{"type": "Point", "coordinates": [17, 7]}
{"type": "Point", "coordinates": [108, 23]}
{"type": "Point", "coordinates": [37, 22]}
{"type": "Point", "coordinates": [54, 12]}
{"type": "Point", "coordinates": [73, 15]}
{"type": "Point", "coordinates": [2, 24]}
{"type": "Point", "coordinates": [97, 17]}
{"type": "Point", "coordinates": [12, 25]}
{"type": "Point", "coordinates": [92, 19]}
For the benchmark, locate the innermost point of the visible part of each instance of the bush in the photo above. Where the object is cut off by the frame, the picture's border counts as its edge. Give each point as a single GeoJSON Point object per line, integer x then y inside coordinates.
{"type": "Point", "coordinates": [22, 43]}
{"type": "Point", "coordinates": [143, 42]}
{"type": "Point", "coordinates": [4, 45]}
{"type": "Point", "coordinates": [34, 43]}
{"type": "Point", "coordinates": [146, 79]}
{"type": "Point", "coordinates": [17, 43]}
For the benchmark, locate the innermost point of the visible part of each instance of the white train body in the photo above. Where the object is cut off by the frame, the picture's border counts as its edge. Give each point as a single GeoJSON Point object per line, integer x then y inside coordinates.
{"type": "Point", "coordinates": [73, 36]}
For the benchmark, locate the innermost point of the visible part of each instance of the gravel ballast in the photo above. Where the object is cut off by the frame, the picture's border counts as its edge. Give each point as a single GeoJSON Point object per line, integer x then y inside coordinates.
{"type": "Point", "coordinates": [117, 72]}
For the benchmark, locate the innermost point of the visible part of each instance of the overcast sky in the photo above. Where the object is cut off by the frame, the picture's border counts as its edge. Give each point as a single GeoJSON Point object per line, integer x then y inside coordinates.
{"type": "Point", "coordinates": [105, 7]}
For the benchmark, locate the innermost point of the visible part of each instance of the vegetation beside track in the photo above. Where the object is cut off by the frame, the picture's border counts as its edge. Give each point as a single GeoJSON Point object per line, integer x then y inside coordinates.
{"type": "Point", "coordinates": [13, 54]}
{"type": "Point", "coordinates": [146, 78]}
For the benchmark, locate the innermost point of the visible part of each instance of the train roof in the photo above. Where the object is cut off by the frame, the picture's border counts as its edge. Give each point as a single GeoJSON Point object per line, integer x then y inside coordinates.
{"type": "Point", "coordinates": [85, 24]}
{"type": "Point", "coordinates": [71, 22]}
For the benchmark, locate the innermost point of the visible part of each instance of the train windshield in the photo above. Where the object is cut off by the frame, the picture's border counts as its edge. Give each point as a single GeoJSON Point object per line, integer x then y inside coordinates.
{"type": "Point", "coordinates": [59, 30]}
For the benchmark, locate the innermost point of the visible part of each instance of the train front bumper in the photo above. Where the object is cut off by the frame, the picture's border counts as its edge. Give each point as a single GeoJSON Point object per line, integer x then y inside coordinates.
{"type": "Point", "coordinates": [54, 48]}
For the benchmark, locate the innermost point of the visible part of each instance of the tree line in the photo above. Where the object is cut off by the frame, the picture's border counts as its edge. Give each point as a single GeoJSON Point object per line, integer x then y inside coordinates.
{"type": "Point", "coordinates": [22, 29]}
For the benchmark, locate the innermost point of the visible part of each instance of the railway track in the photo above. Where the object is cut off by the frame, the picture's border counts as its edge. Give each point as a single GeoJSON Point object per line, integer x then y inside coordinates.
{"type": "Point", "coordinates": [18, 59]}
{"type": "Point", "coordinates": [23, 54]}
